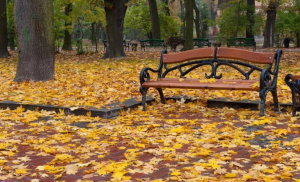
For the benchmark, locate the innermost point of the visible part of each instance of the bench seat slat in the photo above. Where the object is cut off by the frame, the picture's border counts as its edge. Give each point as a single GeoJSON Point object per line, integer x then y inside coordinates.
{"type": "Point", "coordinates": [295, 78]}
{"type": "Point", "coordinates": [222, 84]}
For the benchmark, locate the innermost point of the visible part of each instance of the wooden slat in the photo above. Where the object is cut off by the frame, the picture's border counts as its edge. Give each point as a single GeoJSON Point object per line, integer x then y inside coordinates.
{"type": "Point", "coordinates": [189, 55]}
{"type": "Point", "coordinates": [196, 84]}
{"type": "Point", "coordinates": [295, 78]}
{"type": "Point", "coordinates": [240, 54]}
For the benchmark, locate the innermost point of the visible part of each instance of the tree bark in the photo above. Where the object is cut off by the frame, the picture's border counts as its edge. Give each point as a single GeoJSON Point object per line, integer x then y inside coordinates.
{"type": "Point", "coordinates": [115, 13]}
{"type": "Point", "coordinates": [250, 16]}
{"type": "Point", "coordinates": [68, 34]}
{"type": "Point", "coordinates": [197, 19]}
{"type": "Point", "coordinates": [34, 21]}
{"type": "Point", "coordinates": [189, 25]}
{"type": "Point", "coordinates": [154, 19]}
{"type": "Point", "coordinates": [270, 24]}
{"type": "Point", "coordinates": [3, 30]}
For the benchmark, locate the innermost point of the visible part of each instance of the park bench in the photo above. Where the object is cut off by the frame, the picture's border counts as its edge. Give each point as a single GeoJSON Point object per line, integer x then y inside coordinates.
{"type": "Point", "coordinates": [294, 83]}
{"type": "Point", "coordinates": [241, 42]}
{"type": "Point", "coordinates": [237, 59]}
{"type": "Point", "coordinates": [173, 42]}
{"type": "Point", "coordinates": [125, 44]}
{"type": "Point", "coordinates": [153, 43]}
{"type": "Point", "coordinates": [201, 42]}
{"type": "Point", "coordinates": [104, 44]}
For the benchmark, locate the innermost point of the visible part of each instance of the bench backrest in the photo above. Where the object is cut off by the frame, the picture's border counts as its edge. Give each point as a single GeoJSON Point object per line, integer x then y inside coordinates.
{"type": "Point", "coordinates": [188, 55]}
{"type": "Point", "coordinates": [240, 54]}
{"type": "Point", "coordinates": [153, 42]}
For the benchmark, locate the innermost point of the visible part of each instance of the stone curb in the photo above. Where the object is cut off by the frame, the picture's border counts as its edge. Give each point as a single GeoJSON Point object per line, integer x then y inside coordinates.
{"type": "Point", "coordinates": [107, 112]}
{"type": "Point", "coordinates": [112, 110]}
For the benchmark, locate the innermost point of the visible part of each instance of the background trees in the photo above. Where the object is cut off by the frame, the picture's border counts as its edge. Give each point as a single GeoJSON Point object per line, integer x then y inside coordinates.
{"type": "Point", "coordinates": [3, 30]}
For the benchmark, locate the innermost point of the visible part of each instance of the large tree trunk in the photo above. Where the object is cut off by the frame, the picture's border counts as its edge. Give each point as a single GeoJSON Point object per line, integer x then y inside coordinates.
{"type": "Point", "coordinates": [197, 19]}
{"type": "Point", "coordinates": [34, 22]}
{"type": "Point", "coordinates": [3, 30]}
{"type": "Point", "coordinates": [250, 16]}
{"type": "Point", "coordinates": [270, 24]}
{"type": "Point", "coordinates": [68, 34]}
{"type": "Point", "coordinates": [189, 25]}
{"type": "Point", "coordinates": [115, 13]}
{"type": "Point", "coordinates": [154, 19]}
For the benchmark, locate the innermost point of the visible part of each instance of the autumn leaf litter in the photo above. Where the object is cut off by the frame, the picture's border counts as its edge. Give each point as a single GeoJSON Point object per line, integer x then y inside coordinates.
{"type": "Point", "coordinates": [176, 141]}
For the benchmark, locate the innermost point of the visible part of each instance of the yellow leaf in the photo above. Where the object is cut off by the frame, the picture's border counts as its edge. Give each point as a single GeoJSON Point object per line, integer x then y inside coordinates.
{"type": "Point", "coordinates": [230, 175]}
{"type": "Point", "coordinates": [247, 176]}
{"type": "Point", "coordinates": [21, 171]}
{"type": "Point", "coordinates": [175, 172]}
{"type": "Point", "coordinates": [118, 175]}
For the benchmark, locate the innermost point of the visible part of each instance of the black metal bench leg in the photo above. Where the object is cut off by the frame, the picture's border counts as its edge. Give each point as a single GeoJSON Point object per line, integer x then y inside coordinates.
{"type": "Point", "coordinates": [262, 96]}
{"type": "Point", "coordinates": [144, 92]}
{"type": "Point", "coordinates": [275, 100]}
{"type": "Point", "coordinates": [161, 94]}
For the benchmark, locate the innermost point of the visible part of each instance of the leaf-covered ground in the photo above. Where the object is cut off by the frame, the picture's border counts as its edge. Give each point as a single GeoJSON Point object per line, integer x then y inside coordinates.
{"type": "Point", "coordinates": [171, 142]}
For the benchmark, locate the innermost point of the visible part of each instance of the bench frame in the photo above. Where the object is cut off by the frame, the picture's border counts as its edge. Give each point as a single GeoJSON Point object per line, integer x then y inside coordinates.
{"type": "Point", "coordinates": [201, 42]}
{"type": "Point", "coordinates": [294, 83]}
{"type": "Point", "coordinates": [153, 43]}
{"type": "Point", "coordinates": [240, 41]}
{"type": "Point", "coordinates": [214, 57]}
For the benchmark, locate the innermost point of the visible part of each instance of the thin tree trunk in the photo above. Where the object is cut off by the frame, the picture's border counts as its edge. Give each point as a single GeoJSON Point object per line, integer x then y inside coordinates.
{"type": "Point", "coordinates": [93, 33]}
{"type": "Point", "coordinates": [270, 24]}
{"type": "Point", "coordinates": [182, 7]}
{"type": "Point", "coordinates": [115, 13]}
{"type": "Point", "coordinates": [250, 16]}
{"type": "Point", "coordinates": [68, 33]}
{"type": "Point", "coordinates": [166, 7]}
{"type": "Point", "coordinates": [154, 19]}
{"type": "Point", "coordinates": [34, 22]}
{"type": "Point", "coordinates": [189, 24]}
{"type": "Point", "coordinates": [197, 19]}
{"type": "Point", "coordinates": [3, 30]}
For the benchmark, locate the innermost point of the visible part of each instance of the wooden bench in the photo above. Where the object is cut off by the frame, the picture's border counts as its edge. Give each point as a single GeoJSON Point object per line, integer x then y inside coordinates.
{"type": "Point", "coordinates": [237, 59]}
{"type": "Point", "coordinates": [294, 83]}
{"type": "Point", "coordinates": [153, 43]}
{"type": "Point", "coordinates": [125, 44]}
{"type": "Point", "coordinates": [104, 44]}
{"type": "Point", "coordinates": [201, 42]}
{"type": "Point", "coordinates": [173, 42]}
{"type": "Point", "coordinates": [241, 42]}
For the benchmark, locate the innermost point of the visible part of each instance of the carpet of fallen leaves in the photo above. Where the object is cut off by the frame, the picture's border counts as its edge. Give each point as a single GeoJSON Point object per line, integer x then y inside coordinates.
{"type": "Point", "coordinates": [170, 142]}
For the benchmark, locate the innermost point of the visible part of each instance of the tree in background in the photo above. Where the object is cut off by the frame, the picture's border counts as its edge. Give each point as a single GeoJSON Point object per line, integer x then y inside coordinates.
{"type": "Point", "coordinates": [288, 23]}
{"type": "Point", "coordinates": [188, 45]}
{"type": "Point", "coordinates": [3, 30]}
{"type": "Point", "coordinates": [270, 23]}
{"type": "Point", "coordinates": [155, 34]}
{"type": "Point", "coordinates": [251, 18]}
{"type": "Point", "coordinates": [68, 27]}
{"type": "Point", "coordinates": [138, 21]}
{"type": "Point", "coordinates": [35, 35]}
{"type": "Point", "coordinates": [11, 24]}
{"type": "Point", "coordinates": [115, 13]}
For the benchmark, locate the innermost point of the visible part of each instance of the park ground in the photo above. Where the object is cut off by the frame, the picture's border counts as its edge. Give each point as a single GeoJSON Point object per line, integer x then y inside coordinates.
{"type": "Point", "coordinates": [176, 141]}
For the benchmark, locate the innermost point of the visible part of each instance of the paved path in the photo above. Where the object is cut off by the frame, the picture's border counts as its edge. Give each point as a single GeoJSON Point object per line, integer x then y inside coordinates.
{"type": "Point", "coordinates": [194, 143]}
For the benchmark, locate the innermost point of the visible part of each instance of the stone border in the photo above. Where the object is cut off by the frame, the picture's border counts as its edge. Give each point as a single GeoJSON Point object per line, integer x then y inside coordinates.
{"type": "Point", "coordinates": [112, 110]}
{"type": "Point", "coordinates": [107, 112]}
